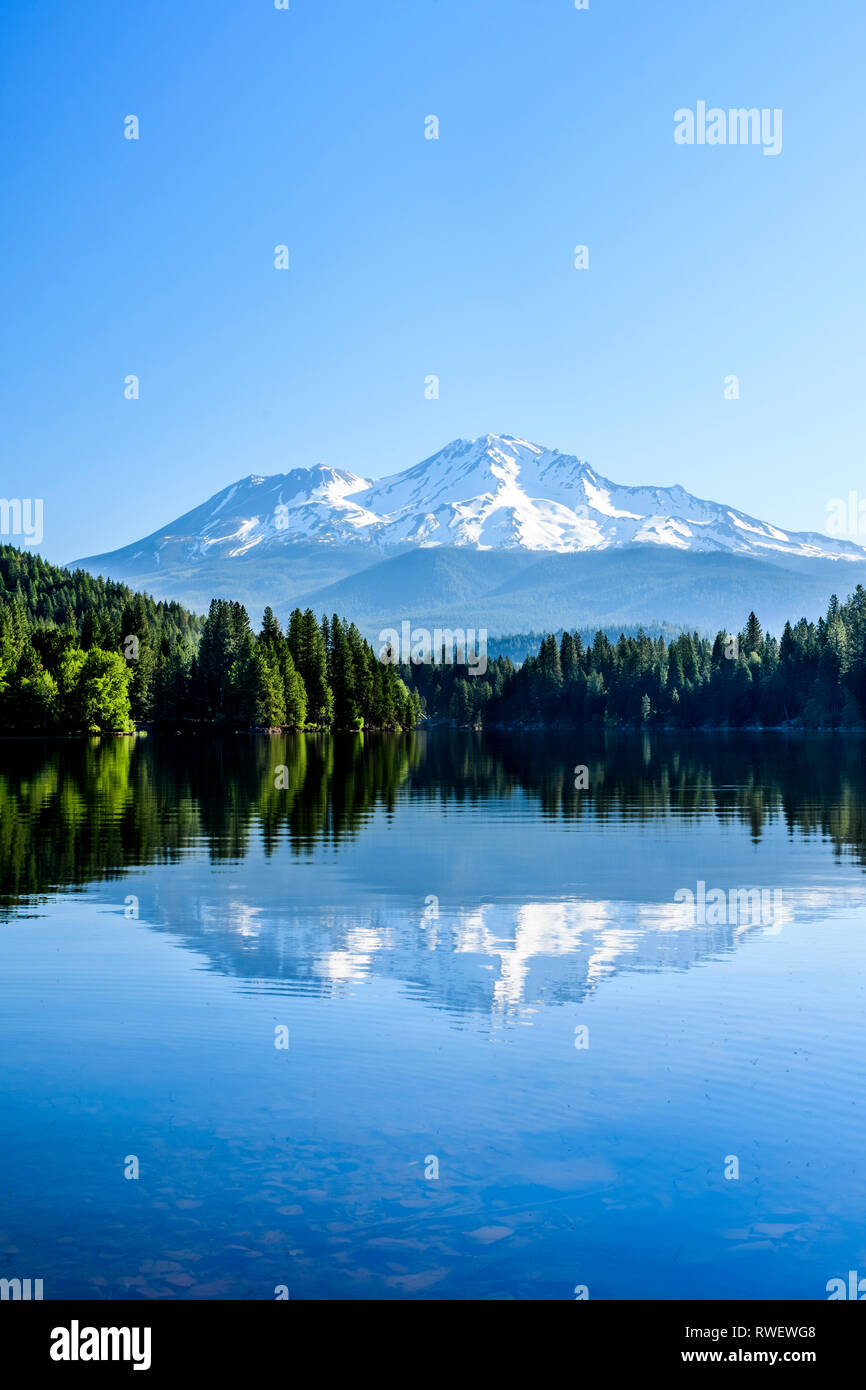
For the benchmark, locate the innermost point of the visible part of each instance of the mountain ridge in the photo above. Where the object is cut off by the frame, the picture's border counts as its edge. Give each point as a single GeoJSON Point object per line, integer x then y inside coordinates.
{"type": "Point", "coordinates": [494, 531]}
{"type": "Point", "coordinates": [496, 492]}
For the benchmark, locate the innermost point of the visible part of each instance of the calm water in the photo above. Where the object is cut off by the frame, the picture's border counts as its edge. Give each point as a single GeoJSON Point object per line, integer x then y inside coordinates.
{"type": "Point", "coordinates": [431, 917]}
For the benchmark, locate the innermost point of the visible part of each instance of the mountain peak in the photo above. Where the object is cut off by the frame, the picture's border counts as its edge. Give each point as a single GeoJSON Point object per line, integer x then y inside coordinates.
{"type": "Point", "coordinates": [495, 441]}
{"type": "Point", "coordinates": [494, 492]}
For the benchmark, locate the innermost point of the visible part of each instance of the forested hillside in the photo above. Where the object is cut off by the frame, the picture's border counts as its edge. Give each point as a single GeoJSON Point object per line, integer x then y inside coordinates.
{"type": "Point", "coordinates": [63, 643]}
{"type": "Point", "coordinates": [79, 654]}
{"type": "Point", "coordinates": [814, 676]}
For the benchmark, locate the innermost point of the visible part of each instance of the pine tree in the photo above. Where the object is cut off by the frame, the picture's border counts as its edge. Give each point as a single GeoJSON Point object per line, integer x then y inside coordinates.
{"type": "Point", "coordinates": [568, 658]}
{"type": "Point", "coordinates": [752, 639]}
{"type": "Point", "coordinates": [295, 696]}
{"type": "Point", "coordinates": [343, 679]}
{"type": "Point", "coordinates": [270, 702]}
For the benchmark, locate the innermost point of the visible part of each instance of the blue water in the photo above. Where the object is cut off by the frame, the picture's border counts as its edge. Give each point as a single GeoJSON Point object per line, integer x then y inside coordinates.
{"type": "Point", "coordinates": [431, 918]}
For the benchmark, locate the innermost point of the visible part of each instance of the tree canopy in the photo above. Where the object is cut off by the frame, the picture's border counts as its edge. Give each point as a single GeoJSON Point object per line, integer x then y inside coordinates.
{"type": "Point", "coordinates": [79, 654]}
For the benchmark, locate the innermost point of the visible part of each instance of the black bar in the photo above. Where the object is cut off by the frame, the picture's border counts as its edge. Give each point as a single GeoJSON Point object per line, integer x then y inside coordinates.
{"type": "Point", "coordinates": [233, 1337]}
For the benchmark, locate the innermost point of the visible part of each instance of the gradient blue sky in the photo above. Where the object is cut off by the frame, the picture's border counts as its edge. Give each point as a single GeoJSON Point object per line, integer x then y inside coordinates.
{"type": "Point", "coordinates": [412, 256]}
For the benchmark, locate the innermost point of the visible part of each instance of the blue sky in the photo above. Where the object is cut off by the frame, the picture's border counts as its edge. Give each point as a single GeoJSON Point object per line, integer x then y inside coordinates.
{"type": "Point", "coordinates": [412, 257]}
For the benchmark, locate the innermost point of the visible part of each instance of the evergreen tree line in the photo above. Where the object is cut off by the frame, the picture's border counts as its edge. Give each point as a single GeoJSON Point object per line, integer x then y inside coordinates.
{"type": "Point", "coordinates": [814, 676]}
{"type": "Point", "coordinates": [319, 673]}
{"type": "Point", "coordinates": [64, 640]}
{"type": "Point", "coordinates": [79, 654]}
{"type": "Point", "coordinates": [447, 692]}
{"type": "Point", "coordinates": [519, 645]}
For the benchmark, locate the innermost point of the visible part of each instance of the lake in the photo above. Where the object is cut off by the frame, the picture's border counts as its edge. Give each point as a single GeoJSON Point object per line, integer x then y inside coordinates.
{"type": "Point", "coordinates": [415, 1017]}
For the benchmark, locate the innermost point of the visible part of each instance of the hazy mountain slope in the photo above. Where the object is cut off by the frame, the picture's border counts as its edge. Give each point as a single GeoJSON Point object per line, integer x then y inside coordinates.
{"type": "Point", "coordinates": [642, 585]}
{"type": "Point", "coordinates": [254, 579]}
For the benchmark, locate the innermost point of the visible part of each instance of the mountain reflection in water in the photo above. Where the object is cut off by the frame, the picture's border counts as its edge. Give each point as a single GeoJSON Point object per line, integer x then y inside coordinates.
{"type": "Point", "coordinates": [517, 1060]}
{"type": "Point", "coordinates": [550, 892]}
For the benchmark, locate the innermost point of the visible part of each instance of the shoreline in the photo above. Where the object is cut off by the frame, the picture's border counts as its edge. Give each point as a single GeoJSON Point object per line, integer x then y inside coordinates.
{"type": "Point", "coordinates": [431, 726]}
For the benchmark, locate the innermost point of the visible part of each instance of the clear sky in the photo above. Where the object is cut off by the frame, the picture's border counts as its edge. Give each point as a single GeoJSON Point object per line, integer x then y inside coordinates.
{"type": "Point", "coordinates": [411, 257]}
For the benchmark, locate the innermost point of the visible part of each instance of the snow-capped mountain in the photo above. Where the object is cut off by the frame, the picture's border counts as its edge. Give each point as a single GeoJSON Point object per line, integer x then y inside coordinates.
{"type": "Point", "coordinates": [494, 532]}
{"type": "Point", "coordinates": [499, 491]}
{"type": "Point", "coordinates": [256, 511]}
{"type": "Point", "coordinates": [493, 493]}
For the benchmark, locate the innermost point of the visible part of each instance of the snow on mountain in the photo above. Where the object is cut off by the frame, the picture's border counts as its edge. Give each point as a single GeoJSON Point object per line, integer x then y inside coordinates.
{"type": "Point", "coordinates": [499, 491]}
{"type": "Point", "coordinates": [260, 512]}
{"type": "Point", "coordinates": [493, 493]}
